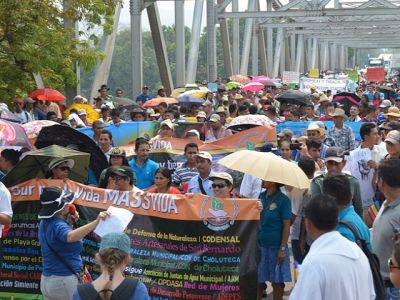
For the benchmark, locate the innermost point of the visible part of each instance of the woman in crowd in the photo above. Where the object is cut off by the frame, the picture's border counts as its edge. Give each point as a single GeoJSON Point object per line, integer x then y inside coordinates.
{"type": "Point", "coordinates": [162, 183]}
{"type": "Point", "coordinates": [274, 265]}
{"type": "Point", "coordinates": [394, 262]}
{"type": "Point", "coordinates": [118, 158]}
{"type": "Point", "coordinates": [106, 181]}
{"type": "Point", "coordinates": [8, 159]}
{"type": "Point", "coordinates": [114, 255]}
{"type": "Point", "coordinates": [60, 168]}
{"type": "Point", "coordinates": [222, 185]}
{"type": "Point", "coordinates": [392, 142]}
{"type": "Point", "coordinates": [285, 151]}
{"type": "Point", "coordinates": [60, 244]}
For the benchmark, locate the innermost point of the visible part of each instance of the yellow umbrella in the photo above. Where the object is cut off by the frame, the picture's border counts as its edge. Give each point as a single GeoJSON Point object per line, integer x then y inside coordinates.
{"type": "Point", "coordinates": [194, 93]}
{"type": "Point", "coordinates": [267, 166]}
{"type": "Point", "coordinates": [92, 114]}
{"type": "Point", "coordinates": [176, 92]}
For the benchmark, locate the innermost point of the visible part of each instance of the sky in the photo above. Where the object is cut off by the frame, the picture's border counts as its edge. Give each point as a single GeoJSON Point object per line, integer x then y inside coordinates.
{"type": "Point", "coordinates": [167, 13]}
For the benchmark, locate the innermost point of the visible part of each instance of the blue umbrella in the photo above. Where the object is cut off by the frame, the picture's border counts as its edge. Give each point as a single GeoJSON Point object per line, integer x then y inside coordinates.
{"type": "Point", "coordinates": [190, 100]}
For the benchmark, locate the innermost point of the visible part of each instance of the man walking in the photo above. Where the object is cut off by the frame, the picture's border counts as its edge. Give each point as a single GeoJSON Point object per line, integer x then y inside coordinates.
{"type": "Point", "coordinates": [188, 170]}
{"type": "Point", "coordinates": [387, 222]}
{"type": "Point", "coordinates": [334, 268]}
{"type": "Point", "coordinates": [201, 184]}
{"type": "Point", "coordinates": [342, 134]}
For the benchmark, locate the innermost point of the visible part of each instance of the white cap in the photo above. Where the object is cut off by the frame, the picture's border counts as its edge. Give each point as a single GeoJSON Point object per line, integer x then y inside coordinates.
{"type": "Point", "coordinates": [205, 155]}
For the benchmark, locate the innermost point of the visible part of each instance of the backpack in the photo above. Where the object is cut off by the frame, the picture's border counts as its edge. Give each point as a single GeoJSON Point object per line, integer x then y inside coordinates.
{"type": "Point", "coordinates": [123, 292]}
{"type": "Point", "coordinates": [373, 260]}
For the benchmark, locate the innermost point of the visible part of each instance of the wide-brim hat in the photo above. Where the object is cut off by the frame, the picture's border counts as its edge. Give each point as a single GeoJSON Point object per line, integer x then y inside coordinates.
{"type": "Point", "coordinates": [53, 200]}
{"type": "Point", "coordinates": [102, 87]}
{"type": "Point", "coordinates": [313, 126]}
{"type": "Point", "coordinates": [59, 160]}
{"type": "Point", "coordinates": [339, 113]}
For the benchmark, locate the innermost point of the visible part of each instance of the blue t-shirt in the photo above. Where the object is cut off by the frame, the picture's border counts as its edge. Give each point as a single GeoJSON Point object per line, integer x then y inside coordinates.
{"type": "Point", "coordinates": [57, 230]}
{"type": "Point", "coordinates": [143, 98]}
{"type": "Point", "coordinates": [270, 234]}
{"type": "Point", "coordinates": [349, 214]}
{"type": "Point", "coordinates": [144, 174]}
{"type": "Point", "coordinates": [140, 293]}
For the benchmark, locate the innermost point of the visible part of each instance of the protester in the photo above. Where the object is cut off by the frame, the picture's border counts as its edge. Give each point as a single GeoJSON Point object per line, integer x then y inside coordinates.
{"type": "Point", "coordinates": [387, 221]}
{"type": "Point", "coordinates": [334, 268]}
{"type": "Point", "coordinates": [97, 128]}
{"type": "Point", "coordinates": [105, 142]}
{"type": "Point", "coordinates": [60, 168]}
{"type": "Point", "coordinates": [335, 163]}
{"type": "Point", "coordinates": [8, 159]}
{"type": "Point", "coordinates": [201, 183]}
{"type": "Point", "coordinates": [6, 212]}
{"type": "Point", "coordinates": [60, 244]}
{"type": "Point", "coordinates": [285, 151]}
{"type": "Point", "coordinates": [116, 117]}
{"type": "Point", "coordinates": [139, 115]}
{"type": "Point", "coordinates": [105, 114]}
{"type": "Point", "coordinates": [392, 142]}
{"type": "Point", "coordinates": [217, 131]}
{"type": "Point", "coordinates": [162, 183]}
{"type": "Point", "coordinates": [82, 114]}
{"type": "Point", "coordinates": [143, 167]}
{"type": "Point", "coordinates": [19, 111]}
{"type": "Point", "coordinates": [341, 134]}
{"type": "Point", "coordinates": [222, 185]}
{"type": "Point", "coordinates": [394, 262]}
{"type": "Point", "coordinates": [166, 131]}
{"type": "Point", "coordinates": [188, 170]}
{"type": "Point", "coordinates": [338, 187]}
{"type": "Point", "coordinates": [124, 179]}
{"type": "Point", "coordinates": [118, 158]}
{"type": "Point", "coordinates": [274, 265]}
{"type": "Point", "coordinates": [354, 114]}
{"type": "Point", "coordinates": [113, 257]}
{"type": "Point", "coordinates": [144, 96]}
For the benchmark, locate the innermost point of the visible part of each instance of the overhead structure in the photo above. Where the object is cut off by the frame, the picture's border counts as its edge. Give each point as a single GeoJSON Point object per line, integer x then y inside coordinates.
{"type": "Point", "coordinates": [297, 36]}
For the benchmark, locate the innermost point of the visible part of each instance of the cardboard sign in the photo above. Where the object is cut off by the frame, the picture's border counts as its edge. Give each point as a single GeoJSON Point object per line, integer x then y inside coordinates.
{"type": "Point", "coordinates": [313, 73]}
{"type": "Point", "coordinates": [376, 74]}
{"type": "Point", "coordinates": [291, 77]}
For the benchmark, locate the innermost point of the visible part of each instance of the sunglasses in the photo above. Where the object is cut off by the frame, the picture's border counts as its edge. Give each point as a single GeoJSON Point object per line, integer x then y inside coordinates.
{"type": "Point", "coordinates": [313, 134]}
{"type": "Point", "coordinates": [64, 168]}
{"type": "Point", "coordinates": [391, 265]}
{"type": "Point", "coordinates": [220, 186]}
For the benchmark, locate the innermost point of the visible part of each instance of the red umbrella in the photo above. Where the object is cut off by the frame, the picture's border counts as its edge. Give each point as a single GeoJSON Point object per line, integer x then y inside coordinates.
{"type": "Point", "coordinates": [47, 95]}
{"type": "Point", "coordinates": [253, 87]}
{"type": "Point", "coordinates": [158, 100]}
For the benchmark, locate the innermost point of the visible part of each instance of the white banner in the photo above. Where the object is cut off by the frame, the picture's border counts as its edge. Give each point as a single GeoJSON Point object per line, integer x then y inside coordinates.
{"type": "Point", "coordinates": [291, 77]}
{"type": "Point", "coordinates": [335, 85]}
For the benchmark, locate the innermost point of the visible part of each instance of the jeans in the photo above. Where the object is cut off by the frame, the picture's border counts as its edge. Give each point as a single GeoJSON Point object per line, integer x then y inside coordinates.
{"type": "Point", "coordinates": [58, 287]}
{"type": "Point", "coordinates": [392, 293]}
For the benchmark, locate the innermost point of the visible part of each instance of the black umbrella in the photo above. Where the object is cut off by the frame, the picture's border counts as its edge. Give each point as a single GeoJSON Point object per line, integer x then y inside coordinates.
{"type": "Point", "coordinates": [347, 100]}
{"type": "Point", "coordinates": [294, 97]}
{"type": "Point", "coordinates": [65, 136]}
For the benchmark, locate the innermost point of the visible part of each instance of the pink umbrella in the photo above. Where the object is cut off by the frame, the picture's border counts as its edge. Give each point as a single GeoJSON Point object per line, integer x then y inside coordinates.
{"type": "Point", "coordinates": [243, 79]}
{"type": "Point", "coordinates": [261, 79]}
{"type": "Point", "coordinates": [13, 134]}
{"type": "Point", "coordinates": [253, 87]}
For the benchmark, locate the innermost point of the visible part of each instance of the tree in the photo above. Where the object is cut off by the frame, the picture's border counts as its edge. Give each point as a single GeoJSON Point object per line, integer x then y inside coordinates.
{"type": "Point", "coordinates": [33, 39]}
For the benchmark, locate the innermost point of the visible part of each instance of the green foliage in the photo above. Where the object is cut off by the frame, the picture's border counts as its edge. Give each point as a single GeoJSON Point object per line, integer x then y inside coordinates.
{"type": "Point", "coordinates": [34, 39]}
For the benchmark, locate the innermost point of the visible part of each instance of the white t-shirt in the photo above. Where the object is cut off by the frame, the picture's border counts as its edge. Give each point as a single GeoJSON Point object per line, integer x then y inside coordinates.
{"type": "Point", "coordinates": [251, 186]}
{"type": "Point", "coordinates": [23, 116]}
{"type": "Point", "coordinates": [5, 203]}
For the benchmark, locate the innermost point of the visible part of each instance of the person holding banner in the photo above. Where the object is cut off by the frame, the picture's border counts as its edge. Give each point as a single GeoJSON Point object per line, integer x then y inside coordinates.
{"type": "Point", "coordinates": [274, 265]}
{"type": "Point", "coordinates": [201, 183]}
{"type": "Point", "coordinates": [162, 183]}
{"type": "Point", "coordinates": [60, 244]}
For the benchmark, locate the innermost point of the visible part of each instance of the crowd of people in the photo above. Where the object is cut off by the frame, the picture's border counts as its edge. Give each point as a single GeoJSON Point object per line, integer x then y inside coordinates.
{"type": "Point", "coordinates": [350, 182]}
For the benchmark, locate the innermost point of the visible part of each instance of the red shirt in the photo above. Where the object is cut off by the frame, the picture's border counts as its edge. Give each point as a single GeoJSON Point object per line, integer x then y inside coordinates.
{"type": "Point", "coordinates": [172, 190]}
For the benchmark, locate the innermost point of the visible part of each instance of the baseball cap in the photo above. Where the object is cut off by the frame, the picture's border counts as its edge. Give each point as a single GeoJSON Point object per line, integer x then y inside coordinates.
{"type": "Point", "coordinates": [222, 175]}
{"type": "Point", "coordinates": [29, 100]}
{"type": "Point", "coordinates": [82, 112]}
{"type": "Point", "coordinates": [168, 123]}
{"type": "Point", "coordinates": [19, 100]}
{"type": "Point", "coordinates": [193, 132]}
{"type": "Point", "coordinates": [201, 114]}
{"type": "Point", "coordinates": [123, 171]}
{"type": "Point", "coordinates": [116, 240]}
{"type": "Point", "coordinates": [385, 103]}
{"type": "Point", "coordinates": [215, 118]}
{"type": "Point", "coordinates": [334, 154]}
{"type": "Point", "coordinates": [145, 87]}
{"type": "Point", "coordinates": [205, 155]}
{"type": "Point", "coordinates": [393, 137]}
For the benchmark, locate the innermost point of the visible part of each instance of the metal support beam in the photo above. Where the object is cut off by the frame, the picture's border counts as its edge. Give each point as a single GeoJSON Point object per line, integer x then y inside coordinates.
{"type": "Point", "coordinates": [330, 24]}
{"type": "Point", "coordinates": [292, 51]}
{"type": "Point", "coordinates": [314, 54]}
{"type": "Point", "coordinates": [180, 43]}
{"type": "Point", "coordinates": [136, 43]}
{"type": "Point", "coordinates": [254, 52]}
{"type": "Point", "coordinates": [270, 47]}
{"type": "Point", "coordinates": [299, 53]}
{"type": "Point", "coordinates": [235, 39]}
{"type": "Point", "coordinates": [211, 42]}
{"type": "Point", "coordinates": [342, 57]}
{"type": "Point", "coordinates": [329, 12]}
{"type": "Point", "coordinates": [278, 50]}
{"type": "Point", "coordinates": [226, 46]}
{"type": "Point", "coordinates": [247, 39]}
{"type": "Point", "coordinates": [262, 52]}
{"type": "Point", "coordinates": [194, 42]}
{"type": "Point", "coordinates": [160, 47]}
{"type": "Point", "coordinates": [103, 68]}
{"type": "Point", "coordinates": [325, 56]}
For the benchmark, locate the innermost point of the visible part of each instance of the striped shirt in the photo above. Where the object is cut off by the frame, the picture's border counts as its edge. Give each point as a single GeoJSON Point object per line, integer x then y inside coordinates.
{"type": "Point", "coordinates": [183, 174]}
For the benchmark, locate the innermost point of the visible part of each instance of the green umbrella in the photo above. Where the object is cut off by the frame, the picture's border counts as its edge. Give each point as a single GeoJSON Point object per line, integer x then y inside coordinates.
{"type": "Point", "coordinates": [34, 165]}
{"type": "Point", "coordinates": [233, 85]}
